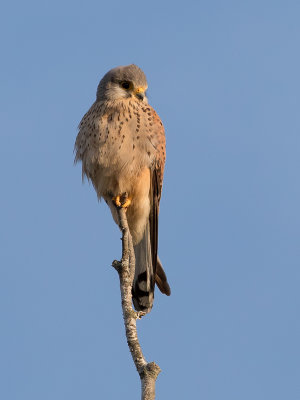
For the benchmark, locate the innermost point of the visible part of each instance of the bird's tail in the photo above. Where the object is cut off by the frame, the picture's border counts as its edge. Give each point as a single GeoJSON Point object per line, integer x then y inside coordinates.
{"type": "Point", "coordinates": [147, 273]}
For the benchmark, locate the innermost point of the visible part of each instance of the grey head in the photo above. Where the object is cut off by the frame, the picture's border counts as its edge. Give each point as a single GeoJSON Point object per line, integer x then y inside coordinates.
{"type": "Point", "coordinates": [123, 82]}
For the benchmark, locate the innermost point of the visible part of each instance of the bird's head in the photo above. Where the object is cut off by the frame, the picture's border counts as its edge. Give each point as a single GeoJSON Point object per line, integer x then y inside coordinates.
{"type": "Point", "coordinates": [123, 82]}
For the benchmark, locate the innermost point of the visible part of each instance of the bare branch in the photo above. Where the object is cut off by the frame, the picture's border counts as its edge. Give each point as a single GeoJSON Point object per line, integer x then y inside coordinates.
{"type": "Point", "coordinates": [126, 267]}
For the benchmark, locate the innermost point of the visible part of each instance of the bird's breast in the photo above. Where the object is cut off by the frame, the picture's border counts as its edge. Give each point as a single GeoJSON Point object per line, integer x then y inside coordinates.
{"type": "Point", "coordinates": [116, 142]}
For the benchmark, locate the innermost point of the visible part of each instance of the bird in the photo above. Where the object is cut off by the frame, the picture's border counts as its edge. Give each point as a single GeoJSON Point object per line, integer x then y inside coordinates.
{"type": "Point", "coordinates": [121, 144]}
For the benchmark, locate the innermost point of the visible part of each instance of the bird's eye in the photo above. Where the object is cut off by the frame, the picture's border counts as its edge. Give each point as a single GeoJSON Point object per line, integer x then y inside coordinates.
{"type": "Point", "coordinates": [126, 85]}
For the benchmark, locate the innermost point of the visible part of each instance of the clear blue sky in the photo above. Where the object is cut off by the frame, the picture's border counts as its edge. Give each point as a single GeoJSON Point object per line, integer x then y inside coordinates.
{"type": "Point", "coordinates": [224, 78]}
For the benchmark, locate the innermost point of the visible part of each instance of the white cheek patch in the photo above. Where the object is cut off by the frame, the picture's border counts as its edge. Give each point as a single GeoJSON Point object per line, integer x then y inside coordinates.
{"type": "Point", "coordinates": [116, 92]}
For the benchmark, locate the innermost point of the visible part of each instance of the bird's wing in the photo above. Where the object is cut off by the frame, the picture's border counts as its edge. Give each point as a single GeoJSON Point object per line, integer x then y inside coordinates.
{"type": "Point", "coordinates": [157, 172]}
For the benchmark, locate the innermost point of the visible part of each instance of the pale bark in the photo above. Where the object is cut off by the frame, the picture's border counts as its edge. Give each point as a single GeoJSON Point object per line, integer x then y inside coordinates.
{"type": "Point", "coordinates": [148, 372]}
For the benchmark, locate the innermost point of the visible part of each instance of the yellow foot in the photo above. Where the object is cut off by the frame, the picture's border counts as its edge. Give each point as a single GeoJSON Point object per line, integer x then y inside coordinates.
{"type": "Point", "coordinates": [126, 203]}
{"type": "Point", "coordinates": [117, 202]}
{"type": "Point", "coordinates": [121, 201]}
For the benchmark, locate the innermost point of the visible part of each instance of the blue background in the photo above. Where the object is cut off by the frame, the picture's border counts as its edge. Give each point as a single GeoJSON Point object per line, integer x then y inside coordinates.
{"type": "Point", "coordinates": [224, 78]}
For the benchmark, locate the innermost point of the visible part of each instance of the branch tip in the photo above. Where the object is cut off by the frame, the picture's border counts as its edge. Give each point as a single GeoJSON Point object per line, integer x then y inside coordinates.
{"type": "Point", "coordinates": [126, 268]}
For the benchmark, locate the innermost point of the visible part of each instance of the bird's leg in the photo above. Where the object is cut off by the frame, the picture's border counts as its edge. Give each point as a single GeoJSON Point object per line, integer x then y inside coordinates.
{"type": "Point", "coordinates": [122, 201]}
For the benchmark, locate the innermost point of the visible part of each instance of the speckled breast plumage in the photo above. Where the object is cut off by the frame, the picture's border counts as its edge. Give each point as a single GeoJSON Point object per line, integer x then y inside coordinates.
{"type": "Point", "coordinates": [112, 144]}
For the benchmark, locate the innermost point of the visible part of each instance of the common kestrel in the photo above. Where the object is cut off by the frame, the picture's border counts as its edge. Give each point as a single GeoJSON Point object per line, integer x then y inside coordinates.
{"type": "Point", "coordinates": [121, 143]}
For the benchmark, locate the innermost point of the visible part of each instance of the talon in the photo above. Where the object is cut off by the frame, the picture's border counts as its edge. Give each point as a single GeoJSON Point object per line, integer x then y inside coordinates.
{"type": "Point", "coordinates": [119, 201]}
{"type": "Point", "coordinates": [126, 203]}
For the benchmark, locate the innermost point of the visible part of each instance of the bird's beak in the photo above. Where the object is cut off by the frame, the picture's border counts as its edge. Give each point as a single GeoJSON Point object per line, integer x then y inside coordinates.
{"type": "Point", "coordinates": [140, 93]}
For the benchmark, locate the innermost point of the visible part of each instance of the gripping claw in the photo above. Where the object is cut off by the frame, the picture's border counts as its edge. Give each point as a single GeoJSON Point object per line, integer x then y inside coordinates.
{"type": "Point", "coordinates": [121, 201]}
